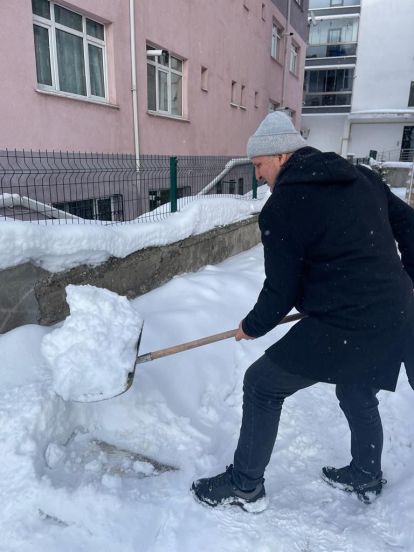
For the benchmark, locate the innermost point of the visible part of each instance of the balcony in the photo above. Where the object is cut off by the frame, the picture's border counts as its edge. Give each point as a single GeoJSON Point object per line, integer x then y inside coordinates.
{"type": "Point", "coordinates": [327, 99]}
{"type": "Point", "coordinates": [331, 50]}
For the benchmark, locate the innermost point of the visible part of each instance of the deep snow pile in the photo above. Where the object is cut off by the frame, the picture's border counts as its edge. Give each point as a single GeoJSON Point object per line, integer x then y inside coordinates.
{"type": "Point", "coordinates": [87, 477]}
{"type": "Point", "coordinates": [93, 351]}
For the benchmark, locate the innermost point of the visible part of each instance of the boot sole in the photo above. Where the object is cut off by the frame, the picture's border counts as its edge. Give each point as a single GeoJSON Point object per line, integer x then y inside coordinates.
{"type": "Point", "coordinates": [256, 507]}
{"type": "Point", "coordinates": [367, 497]}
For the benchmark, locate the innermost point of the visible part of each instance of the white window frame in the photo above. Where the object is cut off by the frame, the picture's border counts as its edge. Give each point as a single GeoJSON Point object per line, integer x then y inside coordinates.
{"type": "Point", "coordinates": [159, 67]}
{"type": "Point", "coordinates": [276, 41]}
{"type": "Point", "coordinates": [52, 26]}
{"type": "Point", "coordinates": [332, 32]}
{"type": "Point", "coordinates": [294, 58]}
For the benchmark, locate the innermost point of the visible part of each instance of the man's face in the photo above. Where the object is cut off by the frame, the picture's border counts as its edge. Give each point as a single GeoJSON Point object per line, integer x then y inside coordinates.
{"type": "Point", "coordinates": [267, 167]}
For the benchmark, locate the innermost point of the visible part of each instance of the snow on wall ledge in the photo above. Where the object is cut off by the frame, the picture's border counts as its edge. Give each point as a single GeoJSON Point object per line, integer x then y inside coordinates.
{"type": "Point", "coordinates": [56, 247]}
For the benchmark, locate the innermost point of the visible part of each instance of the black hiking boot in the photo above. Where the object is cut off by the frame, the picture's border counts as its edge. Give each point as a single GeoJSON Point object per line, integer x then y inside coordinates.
{"type": "Point", "coordinates": [221, 491]}
{"type": "Point", "coordinates": [353, 480]}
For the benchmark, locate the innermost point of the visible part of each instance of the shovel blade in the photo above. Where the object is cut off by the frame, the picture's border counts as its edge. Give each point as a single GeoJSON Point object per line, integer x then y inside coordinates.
{"type": "Point", "coordinates": [98, 397]}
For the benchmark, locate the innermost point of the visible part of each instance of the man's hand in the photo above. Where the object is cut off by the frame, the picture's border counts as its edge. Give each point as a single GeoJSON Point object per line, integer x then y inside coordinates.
{"type": "Point", "coordinates": [241, 335]}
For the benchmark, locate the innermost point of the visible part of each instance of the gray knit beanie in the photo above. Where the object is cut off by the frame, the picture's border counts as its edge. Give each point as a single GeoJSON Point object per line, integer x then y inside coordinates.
{"type": "Point", "coordinates": [275, 134]}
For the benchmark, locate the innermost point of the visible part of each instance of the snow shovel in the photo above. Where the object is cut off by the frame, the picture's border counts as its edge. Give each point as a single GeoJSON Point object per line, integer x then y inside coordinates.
{"type": "Point", "coordinates": [186, 346]}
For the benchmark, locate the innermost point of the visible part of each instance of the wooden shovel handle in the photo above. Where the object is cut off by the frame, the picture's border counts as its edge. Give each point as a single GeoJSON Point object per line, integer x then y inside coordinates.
{"type": "Point", "coordinates": [202, 341]}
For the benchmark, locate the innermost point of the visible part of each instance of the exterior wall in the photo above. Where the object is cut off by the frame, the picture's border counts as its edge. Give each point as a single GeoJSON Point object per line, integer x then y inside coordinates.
{"type": "Point", "coordinates": [234, 45]}
{"type": "Point", "coordinates": [386, 31]}
{"type": "Point", "coordinates": [371, 136]}
{"type": "Point", "coordinates": [231, 40]}
{"type": "Point", "coordinates": [381, 91]}
{"type": "Point", "coordinates": [32, 119]}
{"type": "Point", "coordinates": [325, 131]}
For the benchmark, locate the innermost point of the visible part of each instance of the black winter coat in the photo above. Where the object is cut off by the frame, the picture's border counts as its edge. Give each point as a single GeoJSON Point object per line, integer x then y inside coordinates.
{"type": "Point", "coordinates": [329, 232]}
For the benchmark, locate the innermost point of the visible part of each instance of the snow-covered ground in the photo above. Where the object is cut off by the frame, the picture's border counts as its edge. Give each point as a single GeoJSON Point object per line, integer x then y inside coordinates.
{"type": "Point", "coordinates": [115, 475]}
{"type": "Point", "coordinates": [72, 477]}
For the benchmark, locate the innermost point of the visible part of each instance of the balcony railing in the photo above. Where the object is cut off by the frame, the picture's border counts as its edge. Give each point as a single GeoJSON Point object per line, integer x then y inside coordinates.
{"type": "Point", "coordinates": [331, 50]}
{"type": "Point", "coordinates": [403, 154]}
{"type": "Point", "coordinates": [327, 99]}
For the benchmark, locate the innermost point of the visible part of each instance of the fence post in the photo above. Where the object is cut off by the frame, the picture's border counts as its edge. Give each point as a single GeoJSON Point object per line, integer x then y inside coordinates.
{"type": "Point", "coordinates": [173, 184]}
{"type": "Point", "coordinates": [254, 185]}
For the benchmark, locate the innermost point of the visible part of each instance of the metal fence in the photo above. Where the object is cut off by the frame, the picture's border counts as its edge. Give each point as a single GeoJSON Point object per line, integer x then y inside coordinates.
{"type": "Point", "coordinates": [113, 188]}
{"type": "Point", "coordinates": [405, 155]}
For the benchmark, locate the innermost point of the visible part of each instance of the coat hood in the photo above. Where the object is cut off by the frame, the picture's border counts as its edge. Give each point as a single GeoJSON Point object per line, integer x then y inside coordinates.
{"type": "Point", "coordinates": [309, 165]}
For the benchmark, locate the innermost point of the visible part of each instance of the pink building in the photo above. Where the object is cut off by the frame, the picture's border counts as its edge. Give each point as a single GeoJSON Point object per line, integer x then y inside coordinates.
{"type": "Point", "coordinates": [171, 77]}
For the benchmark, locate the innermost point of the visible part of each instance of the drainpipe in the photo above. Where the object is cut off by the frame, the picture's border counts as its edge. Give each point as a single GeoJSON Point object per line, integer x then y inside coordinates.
{"type": "Point", "coordinates": [134, 80]}
{"type": "Point", "coordinates": [287, 35]}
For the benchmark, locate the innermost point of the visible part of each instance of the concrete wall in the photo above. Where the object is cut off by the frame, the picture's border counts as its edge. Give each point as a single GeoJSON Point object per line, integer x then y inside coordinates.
{"type": "Point", "coordinates": [30, 295]}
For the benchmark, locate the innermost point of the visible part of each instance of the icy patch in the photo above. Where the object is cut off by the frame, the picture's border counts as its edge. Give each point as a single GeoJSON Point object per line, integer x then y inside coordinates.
{"type": "Point", "coordinates": [93, 351]}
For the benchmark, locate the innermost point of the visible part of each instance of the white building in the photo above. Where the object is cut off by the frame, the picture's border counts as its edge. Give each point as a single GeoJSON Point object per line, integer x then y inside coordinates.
{"type": "Point", "coordinates": [359, 79]}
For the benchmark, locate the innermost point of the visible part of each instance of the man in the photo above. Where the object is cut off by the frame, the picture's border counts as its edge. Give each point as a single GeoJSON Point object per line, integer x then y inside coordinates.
{"type": "Point", "coordinates": [328, 232]}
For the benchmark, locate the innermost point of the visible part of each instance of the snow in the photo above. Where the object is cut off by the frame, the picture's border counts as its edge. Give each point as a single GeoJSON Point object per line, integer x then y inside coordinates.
{"type": "Point", "coordinates": [399, 192]}
{"type": "Point", "coordinates": [93, 351]}
{"type": "Point", "coordinates": [76, 477]}
{"type": "Point", "coordinates": [55, 246]}
{"type": "Point", "coordinates": [397, 164]}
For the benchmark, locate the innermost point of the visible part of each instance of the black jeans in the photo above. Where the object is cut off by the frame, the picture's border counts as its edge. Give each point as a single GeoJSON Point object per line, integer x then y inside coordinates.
{"type": "Point", "coordinates": [266, 386]}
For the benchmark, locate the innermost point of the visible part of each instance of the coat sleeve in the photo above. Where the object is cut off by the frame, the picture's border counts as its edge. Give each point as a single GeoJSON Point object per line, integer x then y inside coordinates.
{"type": "Point", "coordinates": [283, 257]}
{"type": "Point", "coordinates": [401, 218]}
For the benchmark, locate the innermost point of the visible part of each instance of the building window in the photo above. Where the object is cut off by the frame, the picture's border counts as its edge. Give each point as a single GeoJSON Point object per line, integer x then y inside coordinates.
{"type": "Point", "coordinates": [70, 51]}
{"type": "Point", "coordinates": [263, 12]}
{"type": "Point", "coordinates": [233, 98]}
{"type": "Point", "coordinates": [336, 3]}
{"type": "Point", "coordinates": [104, 208]}
{"type": "Point", "coordinates": [204, 78]}
{"type": "Point", "coordinates": [164, 84]}
{"type": "Point", "coordinates": [256, 99]}
{"type": "Point", "coordinates": [411, 97]}
{"type": "Point", "coordinates": [333, 38]}
{"type": "Point", "coordinates": [160, 197]}
{"type": "Point", "coordinates": [240, 186]}
{"type": "Point", "coordinates": [232, 187]}
{"type": "Point", "coordinates": [243, 96]}
{"type": "Point", "coordinates": [328, 87]}
{"type": "Point", "coordinates": [294, 55]}
{"type": "Point", "coordinates": [275, 51]}
{"type": "Point", "coordinates": [407, 144]}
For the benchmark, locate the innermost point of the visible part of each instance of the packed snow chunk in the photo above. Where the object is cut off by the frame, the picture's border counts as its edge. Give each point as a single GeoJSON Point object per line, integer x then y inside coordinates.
{"type": "Point", "coordinates": [93, 351]}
